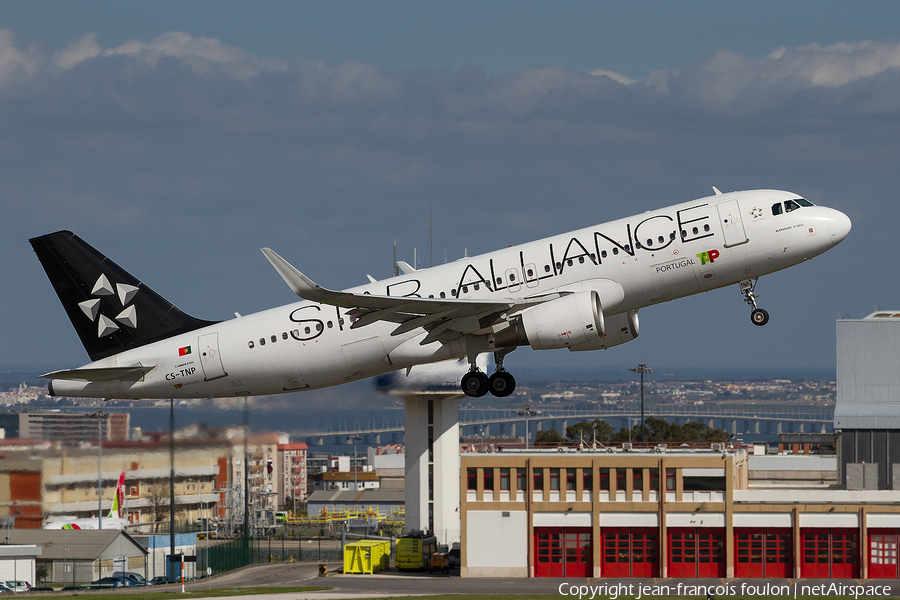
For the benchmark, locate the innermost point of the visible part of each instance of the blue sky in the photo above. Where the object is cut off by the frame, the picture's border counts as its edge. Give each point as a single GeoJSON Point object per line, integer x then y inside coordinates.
{"type": "Point", "coordinates": [179, 138]}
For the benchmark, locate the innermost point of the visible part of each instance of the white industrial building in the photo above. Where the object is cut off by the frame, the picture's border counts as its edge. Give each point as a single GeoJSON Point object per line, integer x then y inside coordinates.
{"type": "Point", "coordinates": [867, 412]}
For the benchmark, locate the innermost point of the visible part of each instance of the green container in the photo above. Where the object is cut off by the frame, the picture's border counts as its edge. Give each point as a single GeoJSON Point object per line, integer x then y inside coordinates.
{"type": "Point", "coordinates": [367, 556]}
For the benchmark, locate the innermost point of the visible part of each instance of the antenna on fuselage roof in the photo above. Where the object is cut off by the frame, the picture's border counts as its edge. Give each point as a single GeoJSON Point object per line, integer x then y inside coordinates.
{"type": "Point", "coordinates": [716, 190]}
{"type": "Point", "coordinates": [396, 268]}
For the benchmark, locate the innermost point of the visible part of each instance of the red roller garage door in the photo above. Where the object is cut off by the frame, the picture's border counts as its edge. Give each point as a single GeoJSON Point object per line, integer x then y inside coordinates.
{"type": "Point", "coordinates": [630, 552]}
{"type": "Point", "coordinates": [562, 552]}
{"type": "Point", "coordinates": [830, 553]}
{"type": "Point", "coordinates": [883, 553]}
{"type": "Point", "coordinates": [696, 552]}
{"type": "Point", "coordinates": [762, 552]}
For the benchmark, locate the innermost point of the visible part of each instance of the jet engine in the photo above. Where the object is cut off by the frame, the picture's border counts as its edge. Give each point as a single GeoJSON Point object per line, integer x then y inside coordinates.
{"type": "Point", "coordinates": [620, 328]}
{"type": "Point", "coordinates": [574, 319]}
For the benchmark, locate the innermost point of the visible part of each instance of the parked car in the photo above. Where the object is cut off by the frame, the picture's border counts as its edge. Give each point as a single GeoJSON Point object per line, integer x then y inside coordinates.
{"type": "Point", "coordinates": [455, 558]}
{"type": "Point", "coordinates": [108, 582]}
{"type": "Point", "coordinates": [75, 588]}
{"type": "Point", "coordinates": [203, 523]}
{"type": "Point", "coordinates": [41, 588]}
{"type": "Point", "coordinates": [163, 580]}
{"type": "Point", "coordinates": [131, 578]}
{"type": "Point", "coordinates": [17, 586]}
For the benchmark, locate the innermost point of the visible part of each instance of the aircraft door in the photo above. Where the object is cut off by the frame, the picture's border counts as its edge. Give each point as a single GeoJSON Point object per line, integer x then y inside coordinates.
{"type": "Point", "coordinates": [732, 224]}
{"type": "Point", "coordinates": [210, 359]}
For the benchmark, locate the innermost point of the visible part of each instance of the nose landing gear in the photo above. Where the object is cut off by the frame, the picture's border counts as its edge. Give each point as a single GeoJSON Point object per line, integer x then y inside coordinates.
{"type": "Point", "coordinates": [758, 316]}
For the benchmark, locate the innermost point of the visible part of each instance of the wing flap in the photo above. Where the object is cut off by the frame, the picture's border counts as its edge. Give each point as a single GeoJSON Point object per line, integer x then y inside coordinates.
{"type": "Point", "coordinates": [133, 373]}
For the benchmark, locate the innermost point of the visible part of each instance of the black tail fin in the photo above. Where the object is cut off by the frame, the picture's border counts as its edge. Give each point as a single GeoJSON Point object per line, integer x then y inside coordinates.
{"type": "Point", "coordinates": [110, 309]}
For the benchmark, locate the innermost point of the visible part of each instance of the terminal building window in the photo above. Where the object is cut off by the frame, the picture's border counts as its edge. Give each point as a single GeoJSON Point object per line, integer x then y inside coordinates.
{"type": "Point", "coordinates": [539, 479]}
{"type": "Point", "coordinates": [587, 483]}
{"type": "Point", "coordinates": [654, 480]}
{"type": "Point", "coordinates": [489, 479]}
{"type": "Point", "coordinates": [520, 479]}
{"type": "Point", "coordinates": [471, 479]}
{"type": "Point", "coordinates": [554, 479]}
{"type": "Point", "coordinates": [702, 484]}
{"type": "Point", "coordinates": [504, 479]}
{"type": "Point", "coordinates": [570, 479]}
{"type": "Point", "coordinates": [604, 479]}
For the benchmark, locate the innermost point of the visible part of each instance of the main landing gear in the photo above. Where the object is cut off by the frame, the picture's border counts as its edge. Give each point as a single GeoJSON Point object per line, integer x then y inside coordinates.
{"type": "Point", "coordinates": [758, 316]}
{"type": "Point", "coordinates": [501, 384]}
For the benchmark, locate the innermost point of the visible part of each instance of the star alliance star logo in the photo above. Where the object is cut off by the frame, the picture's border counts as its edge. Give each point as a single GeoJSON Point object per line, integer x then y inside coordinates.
{"type": "Point", "coordinates": [756, 212]}
{"type": "Point", "coordinates": [91, 308]}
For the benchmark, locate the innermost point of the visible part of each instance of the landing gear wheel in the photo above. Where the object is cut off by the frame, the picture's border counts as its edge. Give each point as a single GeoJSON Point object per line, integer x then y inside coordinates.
{"type": "Point", "coordinates": [759, 317]}
{"type": "Point", "coordinates": [502, 384]}
{"type": "Point", "coordinates": [475, 384]}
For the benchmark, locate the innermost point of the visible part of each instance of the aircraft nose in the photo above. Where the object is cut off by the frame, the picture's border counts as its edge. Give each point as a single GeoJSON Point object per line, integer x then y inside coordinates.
{"type": "Point", "coordinates": [840, 226]}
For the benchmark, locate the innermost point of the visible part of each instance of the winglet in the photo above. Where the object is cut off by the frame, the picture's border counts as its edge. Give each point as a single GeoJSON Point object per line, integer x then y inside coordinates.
{"type": "Point", "coordinates": [299, 283]}
{"type": "Point", "coordinates": [405, 267]}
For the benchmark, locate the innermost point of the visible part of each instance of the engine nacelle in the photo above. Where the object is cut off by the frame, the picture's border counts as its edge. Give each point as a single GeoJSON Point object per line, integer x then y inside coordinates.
{"type": "Point", "coordinates": [562, 323]}
{"type": "Point", "coordinates": [620, 328]}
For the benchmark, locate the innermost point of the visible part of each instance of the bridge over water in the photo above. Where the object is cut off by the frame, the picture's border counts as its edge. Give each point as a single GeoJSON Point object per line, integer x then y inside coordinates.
{"type": "Point", "coordinates": [475, 422]}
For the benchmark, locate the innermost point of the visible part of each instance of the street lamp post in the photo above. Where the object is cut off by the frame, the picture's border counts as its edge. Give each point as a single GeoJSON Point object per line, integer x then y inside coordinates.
{"type": "Point", "coordinates": [100, 415]}
{"type": "Point", "coordinates": [64, 566]}
{"type": "Point", "coordinates": [527, 412]}
{"type": "Point", "coordinates": [642, 368]}
{"type": "Point", "coordinates": [354, 438]}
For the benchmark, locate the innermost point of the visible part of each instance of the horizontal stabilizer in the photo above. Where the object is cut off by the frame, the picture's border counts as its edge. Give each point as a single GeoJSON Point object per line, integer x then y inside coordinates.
{"type": "Point", "coordinates": [102, 374]}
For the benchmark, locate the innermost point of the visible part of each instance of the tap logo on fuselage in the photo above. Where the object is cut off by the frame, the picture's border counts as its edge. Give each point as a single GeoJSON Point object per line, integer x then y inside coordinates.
{"type": "Point", "coordinates": [708, 257]}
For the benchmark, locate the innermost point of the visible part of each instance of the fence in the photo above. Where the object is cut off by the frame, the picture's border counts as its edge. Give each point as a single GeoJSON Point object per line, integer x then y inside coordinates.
{"type": "Point", "coordinates": [233, 554]}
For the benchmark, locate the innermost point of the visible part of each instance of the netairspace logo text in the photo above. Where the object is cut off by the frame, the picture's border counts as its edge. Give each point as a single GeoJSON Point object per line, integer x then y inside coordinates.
{"type": "Point", "coordinates": [638, 591]}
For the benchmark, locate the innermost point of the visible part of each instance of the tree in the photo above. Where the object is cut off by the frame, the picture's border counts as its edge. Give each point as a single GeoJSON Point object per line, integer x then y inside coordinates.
{"type": "Point", "coordinates": [548, 438]}
{"type": "Point", "coordinates": [587, 430]}
{"type": "Point", "coordinates": [40, 570]}
{"type": "Point", "coordinates": [157, 496]}
{"type": "Point", "coordinates": [661, 431]}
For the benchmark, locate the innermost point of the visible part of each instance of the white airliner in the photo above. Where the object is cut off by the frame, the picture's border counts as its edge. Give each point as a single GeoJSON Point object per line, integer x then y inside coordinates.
{"type": "Point", "coordinates": [113, 520]}
{"type": "Point", "coordinates": [579, 290]}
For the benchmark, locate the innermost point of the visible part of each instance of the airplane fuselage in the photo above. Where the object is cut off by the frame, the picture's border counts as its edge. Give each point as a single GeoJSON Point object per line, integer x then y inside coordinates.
{"type": "Point", "coordinates": [631, 263]}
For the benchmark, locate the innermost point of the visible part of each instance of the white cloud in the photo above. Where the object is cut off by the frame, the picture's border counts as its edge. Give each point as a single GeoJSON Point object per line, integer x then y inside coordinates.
{"type": "Point", "coordinates": [203, 54]}
{"type": "Point", "coordinates": [12, 59]}
{"type": "Point", "coordinates": [838, 64]}
{"type": "Point", "coordinates": [732, 79]}
{"type": "Point", "coordinates": [78, 50]}
{"type": "Point", "coordinates": [617, 77]}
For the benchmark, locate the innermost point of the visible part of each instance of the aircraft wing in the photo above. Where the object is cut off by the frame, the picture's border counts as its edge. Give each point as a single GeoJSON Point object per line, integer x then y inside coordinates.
{"type": "Point", "coordinates": [101, 374]}
{"type": "Point", "coordinates": [444, 318]}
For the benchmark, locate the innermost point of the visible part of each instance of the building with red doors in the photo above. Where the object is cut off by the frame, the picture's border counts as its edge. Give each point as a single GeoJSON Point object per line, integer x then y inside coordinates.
{"type": "Point", "coordinates": [660, 511]}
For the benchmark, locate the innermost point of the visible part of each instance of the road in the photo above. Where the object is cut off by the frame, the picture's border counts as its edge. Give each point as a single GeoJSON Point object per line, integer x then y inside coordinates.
{"type": "Point", "coordinates": [405, 584]}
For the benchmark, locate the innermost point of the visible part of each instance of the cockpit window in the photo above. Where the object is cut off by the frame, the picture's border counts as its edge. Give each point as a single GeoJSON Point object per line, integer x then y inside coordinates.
{"type": "Point", "coordinates": [803, 202]}
{"type": "Point", "coordinates": [790, 205]}
{"type": "Point", "coordinates": [776, 209]}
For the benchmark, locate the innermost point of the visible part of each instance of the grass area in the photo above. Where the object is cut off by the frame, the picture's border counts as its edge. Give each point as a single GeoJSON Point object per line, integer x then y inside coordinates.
{"type": "Point", "coordinates": [172, 593]}
{"type": "Point", "coordinates": [607, 597]}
